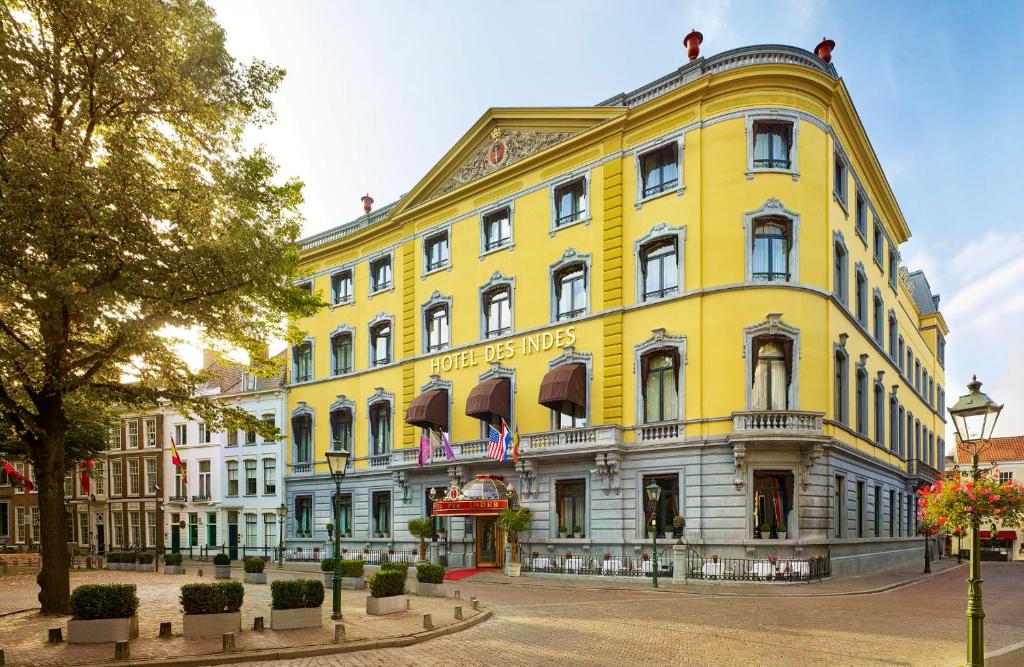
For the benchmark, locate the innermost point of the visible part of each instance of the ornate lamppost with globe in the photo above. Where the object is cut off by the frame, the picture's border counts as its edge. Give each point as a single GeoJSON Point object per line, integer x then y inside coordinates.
{"type": "Point", "coordinates": [974, 418]}
{"type": "Point", "coordinates": [653, 495]}
{"type": "Point", "coordinates": [337, 462]}
{"type": "Point", "coordinates": [282, 512]}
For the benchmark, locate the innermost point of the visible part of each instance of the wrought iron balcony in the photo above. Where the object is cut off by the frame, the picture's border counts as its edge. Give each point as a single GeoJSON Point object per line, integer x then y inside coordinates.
{"type": "Point", "coordinates": [772, 423]}
{"type": "Point", "coordinates": [922, 469]}
{"type": "Point", "coordinates": [177, 499]}
{"type": "Point", "coordinates": [201, 498]}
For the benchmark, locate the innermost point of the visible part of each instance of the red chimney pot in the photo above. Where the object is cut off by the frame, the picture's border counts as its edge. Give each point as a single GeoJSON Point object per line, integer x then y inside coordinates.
{"type": "Point", "coordinates": [692, 43]}
{"type": "Point", "coordinates": [824, 49]}
{"type": "Point", "coordinates": [367, 202]}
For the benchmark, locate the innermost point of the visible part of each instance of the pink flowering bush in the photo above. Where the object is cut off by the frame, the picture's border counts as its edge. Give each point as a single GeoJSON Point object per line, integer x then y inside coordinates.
{"type": "Point", "coordinates": [950, 504]}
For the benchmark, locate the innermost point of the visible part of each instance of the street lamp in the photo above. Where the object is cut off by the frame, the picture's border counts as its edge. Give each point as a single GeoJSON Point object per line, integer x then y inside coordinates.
{"type": "Point", "coordinates": [337, 461]}
{"type": "Point", "coordinates": [653, 495]}
{"type": "Point", "coordinates": [974, 417]}
{"type": "Point", "coordinates": [282, 512]}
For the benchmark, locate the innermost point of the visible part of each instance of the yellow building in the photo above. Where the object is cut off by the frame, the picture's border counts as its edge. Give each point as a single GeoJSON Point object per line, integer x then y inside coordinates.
{"type": "Point", "coordinates": [695, 284]}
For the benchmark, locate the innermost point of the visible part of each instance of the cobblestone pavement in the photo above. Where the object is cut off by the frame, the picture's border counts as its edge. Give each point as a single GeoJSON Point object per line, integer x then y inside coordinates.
{"type": "Point", "coordinates": [23, 634]}
{"type": "Point", "coordinates": [920, 624]}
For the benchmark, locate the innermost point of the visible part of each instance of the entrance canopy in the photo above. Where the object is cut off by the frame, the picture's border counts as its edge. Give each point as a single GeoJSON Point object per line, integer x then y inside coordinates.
{"type": "Point", "coordinates": [1000, 535]}
{"type": "Point", "coordinates": [429, 410]}
{"type": "Point", "coordinates": [482, 496]}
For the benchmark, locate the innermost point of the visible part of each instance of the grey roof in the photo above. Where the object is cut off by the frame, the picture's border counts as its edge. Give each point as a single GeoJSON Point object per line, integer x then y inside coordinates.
{"type": "Point", "coordinates": [926, 302]}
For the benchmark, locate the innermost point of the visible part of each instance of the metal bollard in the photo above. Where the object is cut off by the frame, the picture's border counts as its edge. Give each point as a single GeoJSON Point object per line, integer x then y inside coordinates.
{"type": "Point", "coordinates": [228, 642]}
{"type": "Point", "coordinates": [165, 629]}
{"type": "Point", "coordinates": [476, 604]}
{"type": "Point", "coordinates": [458, 613]}
{"type": "Point", "coordinates": [339, 633]}
{"type": "Point", "coordinates": [55, 636]}
{"type": "Point", "coordinates": [257, 623]}
{"type": "Point", "coordinates": [121, 651]}
{"type": "Point", "coordinates": [458, 594]}
{"type": "Point", "coordinates": [428, 623]}
{"type": "Point", "coordinates": [3, 661]}
{"type": "Point", "coordinates": [200, 572]}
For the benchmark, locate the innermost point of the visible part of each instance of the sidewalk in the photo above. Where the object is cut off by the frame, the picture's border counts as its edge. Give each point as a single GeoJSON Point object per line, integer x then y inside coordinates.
{"type": "Point", "coordinates": [875, 583]}
{"type": "Point", "coordinates": [23, 635]}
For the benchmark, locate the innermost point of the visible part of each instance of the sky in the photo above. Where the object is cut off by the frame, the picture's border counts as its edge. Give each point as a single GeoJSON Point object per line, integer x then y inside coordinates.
{"type": "Point", "coordinates": [377, 92]}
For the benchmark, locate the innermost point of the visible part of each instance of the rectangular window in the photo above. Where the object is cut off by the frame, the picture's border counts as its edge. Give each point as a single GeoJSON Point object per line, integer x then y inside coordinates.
{"type": "Point", "coordinates": [1005, 476]}
{"type": "Point", "coordinates": [497, 229]}
{"type": "Point", "coordinates": [211, 528]}
{"type": "Point", "coordinates": [181, 480]}
{"type": "Point", "coordinates": [893, 266]}
{"type": "Point", "coordinates": [862, 298]}
{"type": "Point", "coordinates": [772, 144]}
{"type": "Point", "coordinates": [151, 529]}
{"type": "Point", "coordinates": [839, 287]}
{"type": "Point", "coordinates": [570, 202]}
{"type": "Point", "coordinates": [571, 501]}
{"type": "Point", "coordinates": [668, 504]}
{"type": "Point", "coordinates": [435, 251]}
{"type": "Point", "coordinates": [380, 428]}
{"type": "Point", "coordinates": [879, 409]}
{"type": "Point", "coordinates": [660, 386]}
{"type": "Point", "coordinates": [380, 274]}
{"type": "Point", "coordinates": [345, 515]}
{"type": "Point", "coordinates": [232, 478]}
{"type": "Point", "coordinates": [879, 320]}
{"type": "Point", "coordinates": [232, 437]}
{"type": "Point", "coordinates": [942, 349]}
{"type": "Point", "coordinates": [497, 307]}
{"type": "Point", "coordinates": [862, 216]}
{"type": "Point", "coordinates": [382, 513]}
{"type": "Point", "coordinates": [269, 477]}
{"type": "Point", "coordinates": [270, 530]}
{"type": "Point", "coordinates": [305, 286]}
{"type": "Point", "coordinates": [149, 433]}
{"type": "Point", "coordinates": [659, 170]}
{"type": "Point", "coordinates": [152, 481]}
{"type": "Point", "coordinates": [877, 514]}
{"type": "Point", "coordinates": [660, 266]}
{"type": "Point", "coordinates": [571, 292]}
{"type": "Point", "coordinates": [892, 513]}
{"type": "Point", "coordinates": [250, 530]}
{"type": "Point", "coordinates": [341, 430]}
{"type": "Point", "coordinates": [570, 415]}
{"type": "Point", "coordinates": [135, 526]}
{"type": "Point", "coordinates": [841, 388]}
{"type": "Point", "coordinates": [879, 239]}
{"type": "Point", "coordinates": [341, 287]}
{"type": "Point", "coordinates": [270, 420]}
{"type": "Point", "coordinates": [181, 434]}
{"type": "Point", "coordinates": [68, 488]}
{"type": "Point", "coordinates": [770, 252]}
{"type": "Point", "coordinates": [302, 433]}
{"type": "Point", "coordinates": [839, 506]}
{"type": "Point", "coordinates": [250, 437]}
{"type": "Point", "coordinates": [132, 431]}
{"type": "Point", "coordinates": [839, 187]}
{"type": "Point", "coordinates": [83, 525]}
{"type": "Point", "coordinates": [437, 331]}
{"type": "Point", "coordinates": [860, 509]}
{"type": "Point", "coordinates": [341, 353]}
{"type": "Point", "coordinates": [380, 344]}
{"type": "Point", "coordinates": [205, 482]}
{"type": "Point", "coordinates": [99, 478]}
{"type": "Point", "coordinates": [773, 503]}
{"type": "Point", "coordinates": [204, 433]}
{"type": "Point", "coordinates": [116, 478]}
{"type": "Point", "coordinates": [118, 532]}
{"type": "Point", "coordinates": [304, 514]}
{"type": "Point", "coordinates": [302, 361]}
{"type": "Point", "coordinates": [5, 517]}
{"type": "Point", "coordinates": [250, 477]}
{"type": "Point", "coordinates": [115, 436]}
{"type": "Point", "coordinates": [901, 346]}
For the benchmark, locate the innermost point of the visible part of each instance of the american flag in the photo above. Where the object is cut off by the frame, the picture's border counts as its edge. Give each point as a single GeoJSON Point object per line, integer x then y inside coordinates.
{"type": "Point", "coordinates": [495, 445]}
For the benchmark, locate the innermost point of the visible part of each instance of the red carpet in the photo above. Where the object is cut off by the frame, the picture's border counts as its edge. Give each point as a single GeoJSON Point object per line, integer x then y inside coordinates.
{"type": "Point", "coordinates": [459, 575]}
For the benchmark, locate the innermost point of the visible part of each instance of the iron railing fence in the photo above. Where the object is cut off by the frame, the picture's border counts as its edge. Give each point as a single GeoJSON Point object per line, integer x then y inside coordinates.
{"type": "Point", "coordinates": [608, 563]}
{"type": "Point", "coordinates": [766, 569]}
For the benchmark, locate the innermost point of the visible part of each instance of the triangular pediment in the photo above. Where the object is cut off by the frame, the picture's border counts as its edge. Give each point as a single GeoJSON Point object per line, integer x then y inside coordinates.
{"type": "Point", "coordinates": [500, 139]}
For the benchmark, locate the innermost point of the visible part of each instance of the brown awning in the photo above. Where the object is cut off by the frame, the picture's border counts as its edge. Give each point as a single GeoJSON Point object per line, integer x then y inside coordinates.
{"type": "Point", "coordinates": [429, 410]}
{"type": "Point", "coordinates": [491, 400]}
{"type": "Point", "coordinates": [567, 382]}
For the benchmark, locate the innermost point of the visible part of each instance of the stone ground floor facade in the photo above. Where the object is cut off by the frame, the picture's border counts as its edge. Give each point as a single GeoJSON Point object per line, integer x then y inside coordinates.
{"type": "Point", "coordinates": [588, 501]}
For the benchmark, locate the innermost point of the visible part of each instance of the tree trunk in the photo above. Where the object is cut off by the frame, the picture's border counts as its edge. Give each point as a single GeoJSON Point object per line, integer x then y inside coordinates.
{"type": "Point", "coordinates": [54, 584]}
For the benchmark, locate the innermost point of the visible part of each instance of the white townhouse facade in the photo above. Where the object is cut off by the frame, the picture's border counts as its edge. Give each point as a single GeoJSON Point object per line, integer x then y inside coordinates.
{"type": "Point", "coordinates": [234, 482]}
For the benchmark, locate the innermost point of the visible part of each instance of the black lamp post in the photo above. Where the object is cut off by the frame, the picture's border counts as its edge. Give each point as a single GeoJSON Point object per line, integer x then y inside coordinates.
{"type": "Point", "coordinates": [974, 417]}
{"type": "Point", "coordinates": [337, 462]}
{"type": "Point", "coordinates": [653, 495]}
{"type": "Point", "coordinates": [282, 512]}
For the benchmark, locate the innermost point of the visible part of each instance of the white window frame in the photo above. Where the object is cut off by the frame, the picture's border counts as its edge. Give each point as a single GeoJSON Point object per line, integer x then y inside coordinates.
{"type": "Point", "coordinates": [312, 361]}
{"type": "Point", "coordinates": [369, 265]}
{"type": "Point", "coordinates": [773, 208]}
{"type": "Point", "coordinates": [436, 299]}
{"type": "Point", "coordinates": [427, 238]}
{"type": "Point", "coordinates": [585, 214]}
{"type": "Point", "coordinates": [352, 292]}
{"type": "Point", "coordinates": [510, 205]}
{"type": "Point", "coordinates": [774, 116]}
{"type": "Point", "coordinates": [132, 434]}
{"type": "Point", "coordinates": [150, 485]}
{"type": "Point", "coordinates": [497, 280]}
{"type": "Point", "coordinates": [340, 330]}
{"type": "Point", "coordinates": [381, 318]}
{"type": "Point", "coordinates": [639, 153]}
{"type": "Point", "coordinates": [149, 432]}
{"type": "Point", "coordinates": [568, 259]}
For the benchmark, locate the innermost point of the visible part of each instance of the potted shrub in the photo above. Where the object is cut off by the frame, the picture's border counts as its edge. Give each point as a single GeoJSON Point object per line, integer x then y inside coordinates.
{"type": "Point", "coordinates": [352, 574]}
{"type": "Point", "coordinates": [172, 564]}
{"type": "Point", "coordinates": [577, 531]}
{"type": "Point", "coordinates": [103, 613]}
{"type": "Point", "coordinates": [327, 567]}
{"type": "Point", "coordinates": [296, 604]}
{"type": "Point", "coordinates": [144, 562]}
{"type": "Point", "coordinates": [211, 609]}
{"type": "Point", "coordinates": [111, 560]}
{"type": "Point", "coordinates": [766, 530]}
{"type": "Point", "coordinates": [125, 561]}
{"type": "Point", "coordinates": [423, 529]}
{"type": "Point", "coordinates": [562, 531]}
{"type": "Point", "coordinates": [514, 522]}
{"type": "Point", "coordinates": [678, 526]}
{"type": "Point", "coordinates": [330, 531]}
{"type": "Point", "coordinates": [398, 567]}
{"type": "Point", "coordinates": [430, 581]}
{"type": "Point", "coordinates": [254, 570]}
{"type": "Point", "coordinates": [387, 592]}
{"type": "Point", "coordinates": [781, 531]}
{"type": "Point", "coordinates": [221, 566]}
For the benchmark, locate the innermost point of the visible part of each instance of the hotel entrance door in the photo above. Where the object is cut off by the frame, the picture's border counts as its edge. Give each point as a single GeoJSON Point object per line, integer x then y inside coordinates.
{"type": "Point", "coordinates": [490, 547]}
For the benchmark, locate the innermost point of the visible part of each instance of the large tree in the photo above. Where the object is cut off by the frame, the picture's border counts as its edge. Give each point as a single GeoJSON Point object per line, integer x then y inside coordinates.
{"type": "Point", "coordinates": [129, 204]}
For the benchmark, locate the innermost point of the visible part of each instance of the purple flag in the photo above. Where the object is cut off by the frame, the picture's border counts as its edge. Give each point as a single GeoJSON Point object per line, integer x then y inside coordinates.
{"type": "Point", "coordinates": [424, 450]}
{"type": "Point", "coordinates": [448, 453]}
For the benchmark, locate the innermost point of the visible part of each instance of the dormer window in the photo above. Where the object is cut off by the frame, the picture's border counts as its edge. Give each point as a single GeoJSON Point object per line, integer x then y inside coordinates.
{"type": "Point", "coordinates": [659, 170]}
{"type": "Point", "coordinates": [570, 202]}
{"type": "Point", "coordinates": [380, 274]}
{"type": "Point", "coordinates": [772, 143]}
{"type": "Point", "coordinates": [341, 287]}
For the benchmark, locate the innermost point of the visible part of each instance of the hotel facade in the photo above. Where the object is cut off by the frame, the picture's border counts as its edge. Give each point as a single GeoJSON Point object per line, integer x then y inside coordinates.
{"type": "Point", "coordinates": [696, 284]}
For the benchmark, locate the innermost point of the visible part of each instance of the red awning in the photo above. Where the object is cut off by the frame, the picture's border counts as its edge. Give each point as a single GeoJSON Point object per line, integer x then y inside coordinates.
{"type": "Point", "coordinates": [1000, 535]}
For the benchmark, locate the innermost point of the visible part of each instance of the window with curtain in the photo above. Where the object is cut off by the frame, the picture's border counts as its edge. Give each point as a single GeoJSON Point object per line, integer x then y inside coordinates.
{"type": "Point", "coordinates": [570, 202]}
{"type": "Point", "coordinates": [304, 514]}
{"type": "Point", "coordinates": [571, 292]}
{"type": "Point", "coordinates": [571, 499]}
{"type": "Point", "coordinates": [570, 415]}
{"type": "Point", "coordinates": [770, 390]}
{"type": "Point", "coordinates": [302, 433]}
{"type": "Point", "coordinates": [380, 427]}
{"type": "Point", "coordinates": [381, 513]}
{"type": "Point", "coordinates": [380, 344]}
{"type": "Point", "coordinates": [341, 353]}
{"type": "Point", "coordinates": [437, 331]}
{"type": "Point", "coordinates": [879, 414]}
{"type": "Point", "coordinates": [341, 287]}
{"type": "Point", "coordinates": [270, 530]}
{"type": "Point", "coordinates": [497, 308]}
{"type": "Point", "coordinates": [862, 401]}
{"type": "Point", "coordinates": [668, 503]}
{"type": "Point", "coordinates": [497, 229]}
{"type": "Point", "coordinates": [436, 253]}
{"type": "Point", "coordinates": [269, 477]}
{"type": "Point", "coordinates": [232, 467]}
{"type": "Point", "coordinates": [250, 478]}
{"type": "Point", "coordinates": [773, 503]}
{"type": "Point", "coordinates": [659, 261]}
{"type": "Point", "coordinates": [660, 376]}
{"type": "Point", "coordinates": [302, 360]}
{"type": "Point", "coordinates": [841, 407]}
{"type": "Point", "coordinates": [344, 526]}
{"type": "Point", "coordinates": [380, 273]}
{"type": "Point", "coordinates": [839, 272]}
{"type": "Point", "coordinates": [341, 430]}
{"type": "Point", "coordinates": [659, 170]}
{"type": "Point", "coordinates": [770, 252]}
{"type": "Point", "coordinates": [862, 298]}
{"type": "Point", "coordinates": [772, 143]}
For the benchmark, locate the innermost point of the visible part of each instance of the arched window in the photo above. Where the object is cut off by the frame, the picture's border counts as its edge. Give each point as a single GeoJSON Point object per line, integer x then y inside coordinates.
{"type": "Point", "coordinates": [302, 362]}
{"type": "Point", "coordinates": [772, 371]}
{"type": "Point", "coordinates": [879, 414]}
{"type": "Point", "coordinates": [772, 240]}
{"type": "Point", "coordinates": [302, 435]}
{"type": "Point", "coordinates": [380, 427]}
{"type": "Point", "coordinates": [659, 262]}
{"type": "Point", "coordinates": [341, 429]}
{"type": "Point", "coordinates": [437, 330]}
{"type": "Point", "coordinates": [341, 353]}
{"type": "Point", "coordinates": [497, 311]}
{"type": "Point", "coordinates": [380, 343]}
{"type": "Point", "coordinates": [571, 291]}
{"type": "Point", "coordinates": [660, 372]}
{"type": "Point", "coordinates": [862, 400]}
{"type": "Point", "coordinates": [839, 285]}
{"type": "Point", "coordinates": [842, 389]}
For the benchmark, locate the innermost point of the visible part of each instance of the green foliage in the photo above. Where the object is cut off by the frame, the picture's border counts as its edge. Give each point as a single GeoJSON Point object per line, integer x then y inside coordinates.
{"type": "Point", "coordinates": [352, 568]}
{"type": "Point", "coordinates": [395, 567]}
{"type": "Point", "coordinates": [221, 559]}
{"type": "Point", "coordinates": [122, 557]}
{"type": "Point", "coordinates": [514, 522]}
{"type": "Point", "coordinates": [766, 527]}
{"type": "Point", "coordinates": [421, 528]}
{"type": "Point", "coordinates": [218, 598]}
{"type": "Point", "coordinates": [327, 565]}
{"type": "Point", "coordinates": [144, 558]}
{"type": "Point", "coordinates": [172, 559]}
{"type": "Point", "coordinates": [296, 594]}
{"type": "Point", "coordinates": [93, 601]}
{"type": "Point", "coordinates": [254, 564]}
{"type": "Point", "coordinates": [430, 574]}
{"type": "Point", "coordinates": [386, 583]}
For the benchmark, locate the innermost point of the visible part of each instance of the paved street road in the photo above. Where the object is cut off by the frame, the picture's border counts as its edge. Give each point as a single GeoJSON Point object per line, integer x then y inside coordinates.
{"type": "Point", "coordinates": [920, 624]}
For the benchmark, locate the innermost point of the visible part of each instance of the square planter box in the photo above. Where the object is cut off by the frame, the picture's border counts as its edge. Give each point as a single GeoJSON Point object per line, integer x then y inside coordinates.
{"type": "Point", "coordinates": [389, 605]}
{"type": "Point", "coordinates": [291, 619]}
{"type": "Point", "coordinates": [144, 567]}
{"type": "Point", "coordinates": [174, 569]}
{"type": "Point", "coordinates": [221, 571]}
{"type": "Point", "coordinates": [431, 590]}
{"type": "Point", "coordinates": [255, 577]}
{"type": "Point", "coordinates": [211, 625]}
{"type": "Point", "coordinates": [353, 582]}
{"type": "Point", "coordinates": [103, 630]}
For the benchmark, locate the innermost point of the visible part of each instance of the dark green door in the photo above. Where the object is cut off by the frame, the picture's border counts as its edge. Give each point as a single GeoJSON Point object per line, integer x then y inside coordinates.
{"type": "Point", "coordinates": [233, 541]}
{"type": "Point", "coordinates": [175, 538]}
